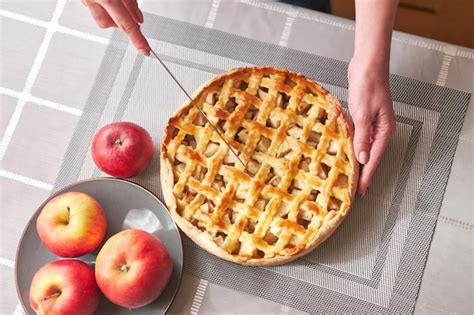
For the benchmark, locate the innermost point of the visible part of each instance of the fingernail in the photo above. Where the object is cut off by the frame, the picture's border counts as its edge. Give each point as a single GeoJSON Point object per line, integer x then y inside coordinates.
{"type": "Point", "coordinates": [364, 157]}
{"type": "Point", "coordinates": [145, 52]}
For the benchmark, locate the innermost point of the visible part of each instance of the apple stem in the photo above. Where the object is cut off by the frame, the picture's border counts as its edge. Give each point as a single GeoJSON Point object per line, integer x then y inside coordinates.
{"type": "Point", "coordinates": [125, 268]}
{"type": "Point", "coordinates": [52, 296]}
{"type": "Point", "coordinates": [68, 215]}
{"type": "Point", "coordinates": [118, 141]}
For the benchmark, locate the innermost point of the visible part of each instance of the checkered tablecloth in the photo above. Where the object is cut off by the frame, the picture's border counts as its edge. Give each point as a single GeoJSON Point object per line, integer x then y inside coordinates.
{"type": "Point", "coordinates": [51, 53]}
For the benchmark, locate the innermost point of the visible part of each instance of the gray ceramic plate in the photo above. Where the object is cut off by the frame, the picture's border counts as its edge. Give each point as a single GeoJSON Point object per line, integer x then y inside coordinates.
{"type": "Point", "coordinates": [127, 205]}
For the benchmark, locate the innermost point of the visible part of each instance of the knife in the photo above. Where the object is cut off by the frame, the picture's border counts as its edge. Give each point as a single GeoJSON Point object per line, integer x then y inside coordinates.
{"type": "Point", "coordinates": [199, 108]}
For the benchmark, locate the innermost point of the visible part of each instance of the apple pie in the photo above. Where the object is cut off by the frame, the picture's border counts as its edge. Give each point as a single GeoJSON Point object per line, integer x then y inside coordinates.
{"type": "Point", "coordinates": [300, 175]}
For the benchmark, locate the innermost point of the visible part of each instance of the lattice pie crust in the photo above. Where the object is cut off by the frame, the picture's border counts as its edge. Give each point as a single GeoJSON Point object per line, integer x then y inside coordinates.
{"type": "Point", "coordinates": [301, 172]}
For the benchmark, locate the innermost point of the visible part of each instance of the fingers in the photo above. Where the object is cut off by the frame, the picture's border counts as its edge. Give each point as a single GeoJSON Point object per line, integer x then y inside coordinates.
{"type": "Point", "coordinates": [135, 12]}
{"type": "Point", "coordinates": [122, 18]}
{"type": "Point", "coordinates": [362, 138]}
{"type": "Point", "coordinates": [101, 17]}
{"type": "Point", "coordinates": [381, 137]}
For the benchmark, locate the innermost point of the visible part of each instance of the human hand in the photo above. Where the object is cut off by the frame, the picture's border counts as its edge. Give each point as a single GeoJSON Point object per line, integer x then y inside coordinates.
{"type": "Point", "coordinates": [124, 14]}
{"type": "Point", "coordinates": [371, 109]}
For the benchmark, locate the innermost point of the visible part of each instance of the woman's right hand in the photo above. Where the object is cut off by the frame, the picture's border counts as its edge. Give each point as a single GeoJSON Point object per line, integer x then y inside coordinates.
{"type": "Point", "coordinates": [124, 14]}
{"type": "Point", "coordinates": [371, 109]}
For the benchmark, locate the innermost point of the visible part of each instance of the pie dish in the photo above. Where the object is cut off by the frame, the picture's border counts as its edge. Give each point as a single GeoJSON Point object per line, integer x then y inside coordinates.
{"type": "Point", "coordinates": [300, 175]}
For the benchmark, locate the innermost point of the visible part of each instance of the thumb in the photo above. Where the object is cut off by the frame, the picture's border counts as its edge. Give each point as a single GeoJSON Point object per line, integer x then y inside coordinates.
{"type": "Point", "coordinates": [362, 141]}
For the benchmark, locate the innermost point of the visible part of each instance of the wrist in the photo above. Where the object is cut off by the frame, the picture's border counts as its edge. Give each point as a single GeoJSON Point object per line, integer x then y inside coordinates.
{"type": "Point", "coordinates": [377, 57]}
{"type": "Point", "coordinates": [369, 67]}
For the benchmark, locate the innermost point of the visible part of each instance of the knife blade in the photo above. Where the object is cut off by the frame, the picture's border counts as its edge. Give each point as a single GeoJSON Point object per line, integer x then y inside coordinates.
{"type": "Point", "coordinates": [198, 108]}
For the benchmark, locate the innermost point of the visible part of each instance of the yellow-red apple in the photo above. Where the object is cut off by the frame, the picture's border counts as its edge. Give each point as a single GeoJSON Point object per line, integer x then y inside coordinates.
{"type": "Point", "coordinates": [72, 224]}
{"type": "Point", "coordinates": [122, 149]}
{"type": "Point", "coordinates": [64, 287]}
{"type": "Point", "coordinates": [133, 268]}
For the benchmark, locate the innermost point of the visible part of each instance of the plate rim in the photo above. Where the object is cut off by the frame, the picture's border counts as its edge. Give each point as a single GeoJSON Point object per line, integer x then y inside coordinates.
{"type": "Point", "coordinates": [94, 179]}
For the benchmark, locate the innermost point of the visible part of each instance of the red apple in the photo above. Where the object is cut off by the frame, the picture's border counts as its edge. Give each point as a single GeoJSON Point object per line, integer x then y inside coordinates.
{"type": "Point", "coordinates": [133, 268]}
{"type": "Point", "coordinates": [72, 224]}
{"type": "Point", "coordinates": [122, 149]}
{"type": "Point", "coordinates": [64, 287]}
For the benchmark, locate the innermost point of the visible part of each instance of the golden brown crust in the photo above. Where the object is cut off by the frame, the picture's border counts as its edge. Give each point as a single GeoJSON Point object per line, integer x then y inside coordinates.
{"type": "Point", "coordinates": [208, 229]}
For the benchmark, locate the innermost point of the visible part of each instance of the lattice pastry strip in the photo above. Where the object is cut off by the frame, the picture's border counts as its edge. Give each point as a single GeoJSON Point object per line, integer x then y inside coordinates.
{"type": "Point", "coordinates": [300, 175]}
